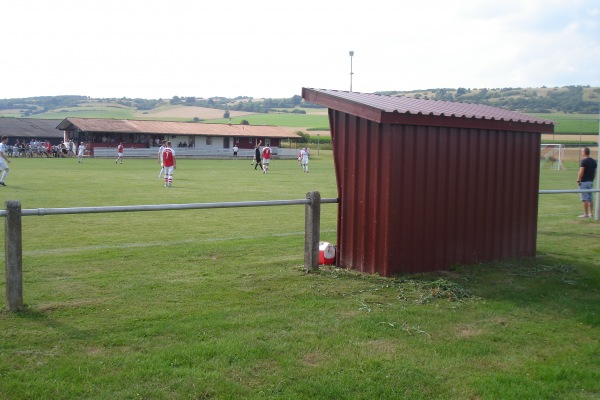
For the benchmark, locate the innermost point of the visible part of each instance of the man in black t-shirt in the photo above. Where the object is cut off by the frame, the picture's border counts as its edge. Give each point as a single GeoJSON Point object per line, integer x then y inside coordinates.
{"type": "Point", "coordinates": [585, 180]}
{"type": "Point", "coordinates": [257, 158]}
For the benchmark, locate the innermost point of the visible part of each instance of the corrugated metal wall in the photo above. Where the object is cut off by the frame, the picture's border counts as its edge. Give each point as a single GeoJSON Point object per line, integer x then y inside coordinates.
{"type": "Point", "coordinates": [421, 198]}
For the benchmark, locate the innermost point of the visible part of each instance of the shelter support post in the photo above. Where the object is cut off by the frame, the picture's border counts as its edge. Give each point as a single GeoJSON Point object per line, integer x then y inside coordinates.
{"type": "Point", "coordinates": [13, 256]}
{"type": "Point", "coordinates": [312, 231]}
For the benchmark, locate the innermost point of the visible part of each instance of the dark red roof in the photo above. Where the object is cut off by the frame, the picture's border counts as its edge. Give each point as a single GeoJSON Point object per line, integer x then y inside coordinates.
{"type": "Point", "coordinates": [399, 110]}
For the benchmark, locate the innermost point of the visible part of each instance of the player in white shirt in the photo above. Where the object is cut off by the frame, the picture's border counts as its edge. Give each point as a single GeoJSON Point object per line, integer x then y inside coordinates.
{"type": "Point", "coordinates": [80, 151]}
{"type": "Point", "coordinates": [304, 155]}
{"type": "Point", "coordinates": [4, 161]}
{"type": "Point", "coordinates": [160, 159]}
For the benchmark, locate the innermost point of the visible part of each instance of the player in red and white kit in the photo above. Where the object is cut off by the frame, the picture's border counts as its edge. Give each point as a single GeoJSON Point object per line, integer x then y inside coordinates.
{"type": "Point", "coordinates": [119, 153]}
{"type": "Point", "coordinates": [169, 164]}
{"type": "Point", "coordinates": [266, 158]}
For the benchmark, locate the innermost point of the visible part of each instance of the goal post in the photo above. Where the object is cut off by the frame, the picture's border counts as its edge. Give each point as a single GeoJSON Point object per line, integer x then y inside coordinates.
{"type": "Point", "coordinates": [552, 156]}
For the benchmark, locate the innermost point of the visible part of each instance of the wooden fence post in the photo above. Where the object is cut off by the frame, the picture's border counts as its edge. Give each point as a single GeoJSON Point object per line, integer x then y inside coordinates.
{"type": "Point", "coordinates": [13, 256]}
{"type": "Point", "coordinates": [312, 231]}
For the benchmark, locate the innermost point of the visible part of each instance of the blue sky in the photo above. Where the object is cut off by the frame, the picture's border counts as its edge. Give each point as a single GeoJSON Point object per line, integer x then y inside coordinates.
{"type": "Point", "coordinates": [270, 48]}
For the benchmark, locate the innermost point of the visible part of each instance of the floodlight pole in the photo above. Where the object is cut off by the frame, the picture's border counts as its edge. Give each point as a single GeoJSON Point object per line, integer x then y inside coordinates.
{"type": "Point", "coordinates": [351, 73]}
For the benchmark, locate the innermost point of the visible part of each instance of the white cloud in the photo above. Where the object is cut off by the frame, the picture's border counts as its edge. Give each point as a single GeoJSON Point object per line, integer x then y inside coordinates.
{"type": "Point", "coordinates": [269, 48]}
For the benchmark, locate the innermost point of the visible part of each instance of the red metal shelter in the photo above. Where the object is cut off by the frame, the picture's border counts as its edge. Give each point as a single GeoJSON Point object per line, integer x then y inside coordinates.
{"type": "Point", "coordinates": [427, 184]}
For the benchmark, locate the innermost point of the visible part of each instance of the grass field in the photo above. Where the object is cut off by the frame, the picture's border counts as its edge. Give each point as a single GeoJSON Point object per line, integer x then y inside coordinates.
{"type": "Point", "coordinates": [89, 112]}
{"type": "Point", "coordinates": [214, 304]}
{"type": "Point", "coordinates": [315, 119]}
{"type": "Point", "coordinates": [292, 120]}
{"type": "Point", "coordinates": [573, 123]}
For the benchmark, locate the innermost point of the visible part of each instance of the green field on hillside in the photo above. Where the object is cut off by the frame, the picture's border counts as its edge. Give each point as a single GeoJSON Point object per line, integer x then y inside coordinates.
{"type": "Point", "coordinates": [573, 123]}
{"type": "Point", "coordinates": [89, 112]}
{"type": "Point", "coordinates": [215, 304]}
{"type": "Point", "coordinates": [313, 120]}
{"type": "Point", "coordinates": [280, 119]}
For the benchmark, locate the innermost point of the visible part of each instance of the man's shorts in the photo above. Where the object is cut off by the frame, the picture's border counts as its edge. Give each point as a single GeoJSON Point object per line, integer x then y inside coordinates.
{"type": "Point", "coordinates": [586, 196]}
{"type": "Point", "coordinates": [3, 164]}
{"type": "Point", "coordinates": [266, 161]}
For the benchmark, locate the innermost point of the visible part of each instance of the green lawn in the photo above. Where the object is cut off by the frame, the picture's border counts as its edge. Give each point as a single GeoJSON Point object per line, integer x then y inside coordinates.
{"type": "Point", "coordinates": [215, 304]}
{"type": "Point", "coordinates": [314, 119]}
{"type": "Point", "coordinates": [309, 120]}
{"type": "Point", "coordinates": [283, 119]}
{"type": "Point", "coordinates": [573, 123]}
{"type": "Point", "coordinates": [89, 112]}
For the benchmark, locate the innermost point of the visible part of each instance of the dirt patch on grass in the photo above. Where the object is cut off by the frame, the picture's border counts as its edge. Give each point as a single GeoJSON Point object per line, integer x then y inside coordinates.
{"type": "Point", "coordinates": [466, 331]}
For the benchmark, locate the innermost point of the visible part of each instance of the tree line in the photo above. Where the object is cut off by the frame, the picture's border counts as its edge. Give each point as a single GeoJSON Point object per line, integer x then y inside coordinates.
{"type": "Point", "coordinates": [42, 104]}
{"type": "Point", "coordinates": [569, 99]}
{"type": "Point", "coordinates": [242, 103]}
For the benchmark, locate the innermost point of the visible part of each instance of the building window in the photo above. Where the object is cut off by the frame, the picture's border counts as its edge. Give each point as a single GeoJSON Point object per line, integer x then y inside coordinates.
{"type": "Point", "coordinates": [268, 142]}
{"type": "Point", "coordinates": [250, 140]}
{"type": "Point", "coordinates": [208, 141]}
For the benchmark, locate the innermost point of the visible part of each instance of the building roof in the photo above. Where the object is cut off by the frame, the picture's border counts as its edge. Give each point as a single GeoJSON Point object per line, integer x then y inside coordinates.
{"type": "Point", "coordinates": [174, 128]}
{"type": "Point", "coordinates": [29, 128]}
{"type": "Point", "coordinates": [406, 110]}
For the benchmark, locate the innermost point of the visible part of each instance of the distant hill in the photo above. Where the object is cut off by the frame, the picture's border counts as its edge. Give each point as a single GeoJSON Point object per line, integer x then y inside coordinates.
{"type": "Point", "coordinates": [568, 99]}
{"type": "Point", "coordinates": [564, 100]}
{"type": "Point", "coordinates": [58, 107]}
{"type": "Point", "coordinates": [574, 108]}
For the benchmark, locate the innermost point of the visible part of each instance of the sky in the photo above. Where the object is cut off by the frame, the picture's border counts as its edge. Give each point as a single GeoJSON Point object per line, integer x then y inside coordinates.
{"type": "Point", "coordinates": [272, 48]}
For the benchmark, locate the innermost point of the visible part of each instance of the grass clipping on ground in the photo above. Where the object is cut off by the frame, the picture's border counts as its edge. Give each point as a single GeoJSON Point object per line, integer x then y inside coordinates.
{"type": "Point", "coordinates": [417, 289]}
{"type": "Point", "coordinates": [452, 286]}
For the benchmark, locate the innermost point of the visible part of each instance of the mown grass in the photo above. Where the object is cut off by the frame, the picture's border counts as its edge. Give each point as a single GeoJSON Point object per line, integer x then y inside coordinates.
{"type": "Point", "coordinates": [89, 112]}
{"type": "Point", "coordinates": [214, 304]}
{"type": "Point", "coordinates": [283, 119]}
{"type": "Point", "coordinates": [313, 120]}
{"type": "Point", "coordinates": [573, 123]}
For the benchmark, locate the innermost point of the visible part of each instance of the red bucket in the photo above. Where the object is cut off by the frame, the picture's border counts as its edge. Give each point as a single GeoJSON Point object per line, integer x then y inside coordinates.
{"type": "Point", "coordinates": [326, 253]}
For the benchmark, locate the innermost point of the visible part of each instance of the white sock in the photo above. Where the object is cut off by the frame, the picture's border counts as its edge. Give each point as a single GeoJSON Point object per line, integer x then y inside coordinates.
{"type": "Point", "coordinates": [4, 175]}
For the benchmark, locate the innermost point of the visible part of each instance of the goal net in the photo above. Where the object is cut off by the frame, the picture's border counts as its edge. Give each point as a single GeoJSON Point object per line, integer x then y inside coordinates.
{"type": "Point", "coordinates": [552, 156]}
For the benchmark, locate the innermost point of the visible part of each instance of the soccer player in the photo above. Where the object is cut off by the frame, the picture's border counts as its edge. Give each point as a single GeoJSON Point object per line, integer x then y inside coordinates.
{"type": "Point", "coordinates": [4, 161]}
{"type": "Point", "coordinates": [80, 151]}
{"type": "Point", "coordinates": [119, 153]}
{"type": "Point", "coordinates": [169, 164]}
{"type": "Point", "coordinates": [304, 155]}
{"type": "Point", "coordinates": [160, 160]}
{"type": "Point", "coordinates": [266, 158]}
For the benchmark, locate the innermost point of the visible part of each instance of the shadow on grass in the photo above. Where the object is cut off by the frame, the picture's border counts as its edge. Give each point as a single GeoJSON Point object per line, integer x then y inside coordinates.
{"type": "Point", "coordinates": [44, 318]}
{"type": "Point", "coordinates": [548, 284]}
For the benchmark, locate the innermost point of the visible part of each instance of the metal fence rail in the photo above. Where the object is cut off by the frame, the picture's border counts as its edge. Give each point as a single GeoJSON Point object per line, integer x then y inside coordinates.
{"type": "Point", "coordinates": [569, 191]}
{"type": "Point", "coordinates": [161, 207]}
{"type": "Point", "coordinates": [13, 233]}
{"type": "Point", "coordinates": [561, 191]}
